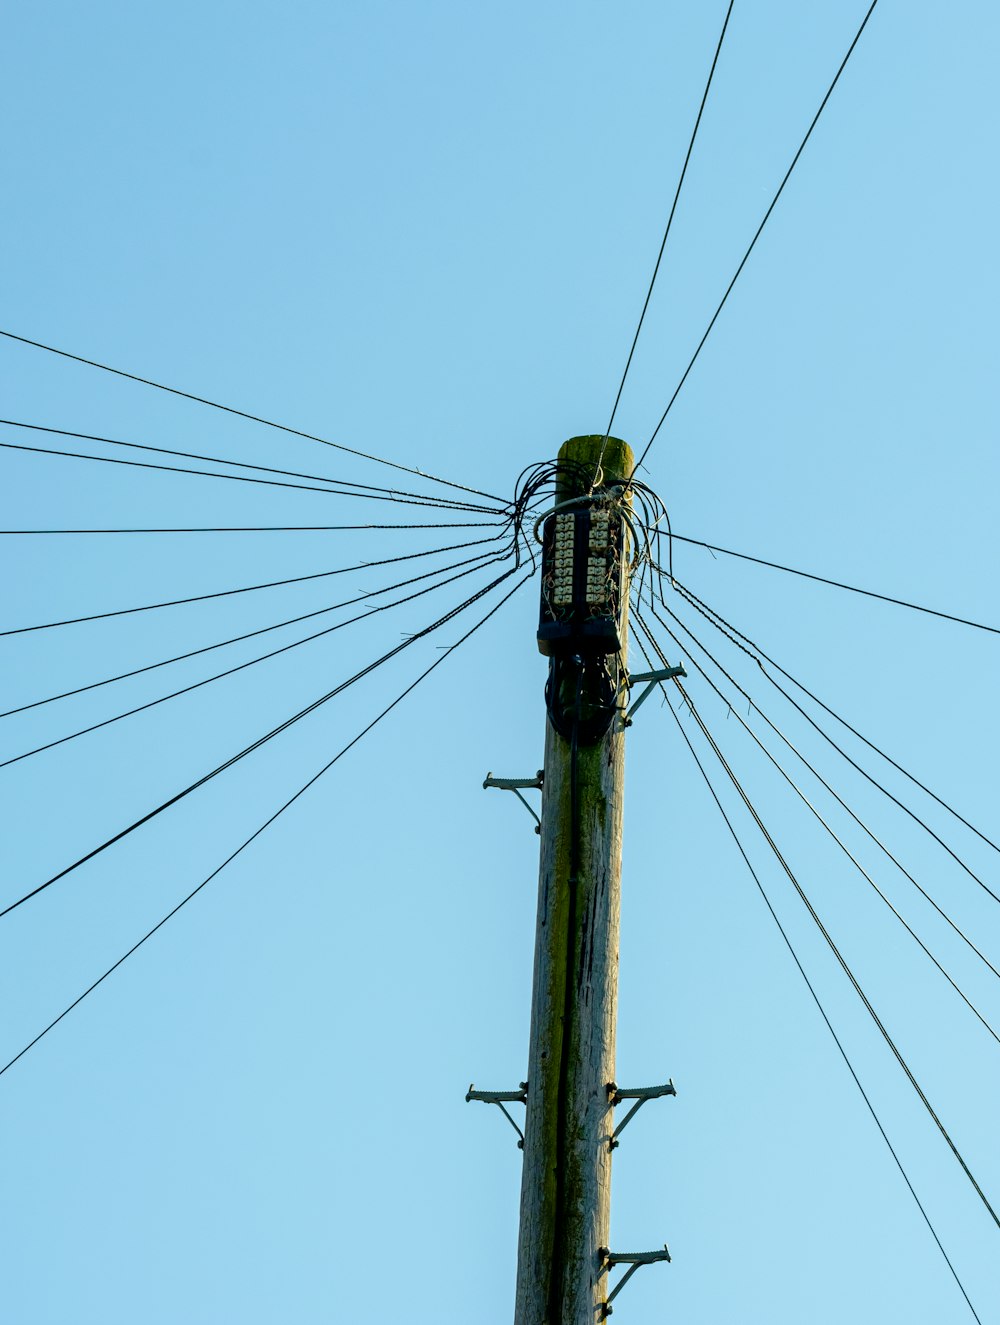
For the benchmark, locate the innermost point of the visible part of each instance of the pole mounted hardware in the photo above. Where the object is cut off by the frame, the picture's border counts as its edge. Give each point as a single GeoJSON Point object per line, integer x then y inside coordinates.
{"type": "Point", "coordinates": [633, 1259]}
{"type": "Point", "coordinates": [640, 1094]}
{"type": "Point", "coordinates": [516, 785]}
{"type": "Point", "coordinates": [501, 1098]}
{"type": "Point", "coordinates": [654, 678]}
{"type": "Point", "coordinates": [583, 570]}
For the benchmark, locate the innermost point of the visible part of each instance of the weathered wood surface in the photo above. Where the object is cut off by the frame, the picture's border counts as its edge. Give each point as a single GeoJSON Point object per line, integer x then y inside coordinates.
{"type": "Point", "coordinates": [566, 1183]}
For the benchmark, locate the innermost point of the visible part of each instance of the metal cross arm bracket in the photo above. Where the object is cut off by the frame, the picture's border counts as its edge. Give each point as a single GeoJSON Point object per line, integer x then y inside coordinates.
{"type": "Point", "coordinates": [633, 1259]}
{"type": "Point", "coordinates": [517, 785]}
{"type": "Point", "coordinates": [501, 1098]}
{"type": "Point", "coordinates": [653, 679]}
{"type": "Point", "coordinates": [640, 1094]}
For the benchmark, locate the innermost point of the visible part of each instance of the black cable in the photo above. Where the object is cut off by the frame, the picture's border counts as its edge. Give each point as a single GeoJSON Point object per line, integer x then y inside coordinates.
{"type": "Point", "coordinates": [822, 1011]}
{"type": "Point", "coordinates": [255, 745]}
{"type": "Point", "coordinates": [258, 529]}
{"type": "Point", "coordinates": [234, 639]}
{"type": "Point", "coordinates": [836, 952]}
{"type": "Point", "coordinates": [242, 414]}
{"type": "Point", "coordinates": [430, 502]}
{"type": "Point", "coordinates": [570, 975]}
{"type": "Point", "coordinates": [243, 845]}
{"type": "Point", "coordinates": [709, 614]}
{"type": "Point", "coordinates": [840, 801]}
{"type": "Point", "coordinates": [364, 488]}
{"type": "Point", "coordinates": [252, 662]}
{"type": "Point", "coordinates": [813, 810]}
{"type": "Point", "coordinates": [767, 214]}
{"type": "Point", "coordinates": [666, 232]}
{"type": "Point", "coordinates": [250, 588]}
{"type": "Point", "coordinates": [836, 584]}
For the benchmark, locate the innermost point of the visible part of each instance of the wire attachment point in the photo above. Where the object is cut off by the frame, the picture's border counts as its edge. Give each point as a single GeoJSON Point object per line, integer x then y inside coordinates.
{"type": "Point", "coordinates": [516, 785]}
{"type": "Point", "coordinates": [653, 679]}
{"type": "Point", "coordinates": [500, 1098]}
{"type": "Point", "coordinates": [640, 1094]}
{"type": "Point", "coordinates": [633, 1259]}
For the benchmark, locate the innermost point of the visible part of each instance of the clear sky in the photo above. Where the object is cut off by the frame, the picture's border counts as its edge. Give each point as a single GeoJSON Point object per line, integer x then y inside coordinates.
{"type": "Point", "coordinates": [425, 231]}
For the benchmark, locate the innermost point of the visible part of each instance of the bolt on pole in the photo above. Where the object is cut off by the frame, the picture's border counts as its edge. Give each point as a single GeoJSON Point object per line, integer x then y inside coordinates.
{"type": "Point", "coordinates": [566, 1184]}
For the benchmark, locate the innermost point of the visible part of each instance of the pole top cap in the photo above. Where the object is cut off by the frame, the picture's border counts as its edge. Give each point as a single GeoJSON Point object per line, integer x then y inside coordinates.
{"type": "Point", "coordinates": [617, 460]}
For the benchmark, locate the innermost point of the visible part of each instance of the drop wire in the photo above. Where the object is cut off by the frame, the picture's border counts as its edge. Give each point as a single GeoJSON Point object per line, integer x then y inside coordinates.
{"type": "Point", "coordinates": [264, 826]}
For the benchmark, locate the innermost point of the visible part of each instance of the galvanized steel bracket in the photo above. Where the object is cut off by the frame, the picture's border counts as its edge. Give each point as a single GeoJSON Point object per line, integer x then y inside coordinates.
{"type": "Point", "coordinates": [501, 1098]}
{"type": "Point", "coordinates": [516, 785]}
{"type": "Point", "coordinates": [640, 1094]}
{"type": "Point", "coordinates": [653, 679]}
{"type": "Point", "coordinates": [633, 1259]}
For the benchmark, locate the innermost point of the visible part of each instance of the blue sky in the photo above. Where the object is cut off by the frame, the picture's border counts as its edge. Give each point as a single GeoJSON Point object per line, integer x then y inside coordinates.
{"type": "Point", "coordinates": [425, 231]}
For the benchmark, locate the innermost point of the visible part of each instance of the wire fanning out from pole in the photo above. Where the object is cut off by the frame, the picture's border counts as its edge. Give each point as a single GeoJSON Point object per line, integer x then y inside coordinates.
{"type": "Point", "coordinates": [760, 229]}
{"type": "Point", "coordinates": [264, 826]}
{"type": "Point", "coordinates": [786, 868]}
{"type": "Point", "coordinates": [255, 745]}
{"type": "Point", "coordinates": [242, 414]}
{"type": "Point", "coordinates": [723, 626]}
{"type": "Point", "coordinates": [819, 1006]}
{"type": "Point", "coordinates": [250, 588]}
{"type": "Point", "coordinates": [663, 244]}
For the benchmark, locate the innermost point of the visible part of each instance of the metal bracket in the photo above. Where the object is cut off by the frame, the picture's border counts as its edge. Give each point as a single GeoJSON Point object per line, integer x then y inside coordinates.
{"type": "Point", "coordinates": [501, 1098]}
{"type": "Point", "coordinates": [516, 785]}
{"type": "Point", "coordinates": [633, 1259]}
{"type": "Point", "coordinates": [640, 1094]}
{"type": "Point", "coordinates": [653, 678]}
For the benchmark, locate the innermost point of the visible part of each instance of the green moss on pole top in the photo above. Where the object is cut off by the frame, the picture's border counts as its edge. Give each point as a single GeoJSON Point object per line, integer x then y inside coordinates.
{"type": "Point", "coordinates": [617, 461]}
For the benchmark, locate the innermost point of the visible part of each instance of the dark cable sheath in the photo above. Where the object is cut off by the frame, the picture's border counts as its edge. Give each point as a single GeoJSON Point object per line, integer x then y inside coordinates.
{"type": "Point", "coordinates": [836, 584]}
{"type": "Point", "coordinates": [255, 745]}
{"type": "Point", "coordinates": [242, 414]}
{"type": "Point", "coordinates": [235, 639]}
{"type": "Point", "coordinates": [821, 1009]}
{"type": "Point", "coordinates": [364, 488]}
{"type": "Point", "coordinates": [710, 613]}
{"type": "Point", "coordinates": [256, 529]}
{"type": "Point", "coordinates": [837, 953]}
{"type": "Point", "coordinates": [250, 588]}
{"type": "Point", "coordinates": [429, 502]}
{"type": "Point", "coordinates": [823, 782]}
{"type": "Point", "coordinates": [767, 214]}
{"type": "Point", "coordinates": [696, 603]}
{"type": "Point", "coordinates": [816, 814]}
{"type": "Point", "coordinates": [666, 232]}
{"type": "Point", "coordinates": [243, 845]}
{"type": "Point", "coordinates": [252, 662]}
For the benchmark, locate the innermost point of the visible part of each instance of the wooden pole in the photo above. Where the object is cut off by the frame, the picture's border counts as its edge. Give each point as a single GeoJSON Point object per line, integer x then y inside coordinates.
{"type": "Point", "coordinates": [566, 1182]}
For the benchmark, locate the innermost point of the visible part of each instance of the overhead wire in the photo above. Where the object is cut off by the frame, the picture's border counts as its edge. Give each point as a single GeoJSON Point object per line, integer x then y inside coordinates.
{"type": "Point", "coordinates": [837, 584]}
{"type": "Point", "coordinates": [257, 832]}
{"type": "Point", "coordinates": [757, 235]}
{"type": "Point", "coordinates": [431, 503]}
{"type": "Point", "coordinates": [749, 645]}
{"type": "Point", "coordinates": [816, 1000]}
{"type": "Point", "coordinates": [819, 777]}
{"type": "Point", "coordinates": [663, 244]}
{"type": "Point", "coordinates": [249, 588]}
{"type": "Point", "coordinates": [221, 644]}
{"type": "Point", "coordinates": [243, 414]}
{"type": "Point", "coordinates": [826, 826]}
{"type": "Point", "coordinates": [481, 564]}
{"type": "Point", "coordinates": [832, 945]}
{"type": "Point", "coordinates": [238, 464]}
{"type": "Point", "coordinates": [260, 741]}
{"type": "Point", "coordinates": [259, 529]}
{"type": "Point", "coordinates": [709, 614]}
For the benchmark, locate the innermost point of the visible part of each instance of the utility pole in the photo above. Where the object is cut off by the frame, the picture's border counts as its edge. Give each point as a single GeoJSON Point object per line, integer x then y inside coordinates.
{"type": "Point", "coordinates": [566, 1182]}
{"type": "Point", "coordinates": [588, 544]}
